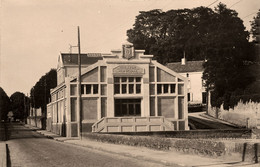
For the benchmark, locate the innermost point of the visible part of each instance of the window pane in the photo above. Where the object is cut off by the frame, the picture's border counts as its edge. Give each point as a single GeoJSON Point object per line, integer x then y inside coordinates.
{"type": "Point", "coordinates": [137, 109]}
{"type": "Point", "coordinates": [82, 89]}
{"type": "Point", "coordinates": [116, 79]}
{"type": "Point", "coordinates": [152, 89]}
{"type": "Point", "coordinates": [117, 88]}
{"type": "Point", "coordinates": [95, 89]}
{"type": "Point", "coordinates": [123, 79]}
{"type": "Point", "coordinates": [103, 74]}
{"type": "Point", "coordinates": [124, 110]}
{"type": "Point", "coordinates": [131, 109]}
{"type": "Point", "coordinates": [159, 88]}
{"type": "Point", "coordinates": [165, 88]}
{"type": "Point", "coordinates": [138, 88]}
{"type": "Point", "coordinates": [131, 88]}
{"type": "Point", "coordinates": [151, 74]}
{"type": "Point", "coordinates": [181, 89]}
{"type": "Point", "coordinates": [138, 79]}
{"type": "Point", "coordinates": [103, 89]}
{"type": "Point", "coordinates": [131, 79]}
{"type": "Point", "coordinates": [123, 88]}
{"type": "Point", "coordinates": [172, 88]}
{"type": "Point", "coordinates": [73, 91]}
{"type": "Point", "coordinates": [88, 89]}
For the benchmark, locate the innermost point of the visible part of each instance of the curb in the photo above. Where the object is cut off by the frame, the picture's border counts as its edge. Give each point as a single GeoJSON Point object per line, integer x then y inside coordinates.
{"type": "Point", "coordinates": [3, 155]}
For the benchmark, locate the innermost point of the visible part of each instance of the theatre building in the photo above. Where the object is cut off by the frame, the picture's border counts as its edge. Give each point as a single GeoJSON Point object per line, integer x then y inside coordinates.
{"type": "Point", "coordinates": [124, 91]}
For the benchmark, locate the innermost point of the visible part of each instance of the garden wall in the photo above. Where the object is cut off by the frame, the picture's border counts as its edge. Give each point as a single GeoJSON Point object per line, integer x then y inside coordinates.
{"type": "Point", "coordinates": [244, 115]}
{"type": "Point", "coordinates": [238, 150]}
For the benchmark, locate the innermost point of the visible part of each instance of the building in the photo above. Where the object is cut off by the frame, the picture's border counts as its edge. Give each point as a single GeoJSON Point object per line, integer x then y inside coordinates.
{"type": "Point", "coordinates": [124, 91]}
{"type": "Point", "coordinates": [193, 70]}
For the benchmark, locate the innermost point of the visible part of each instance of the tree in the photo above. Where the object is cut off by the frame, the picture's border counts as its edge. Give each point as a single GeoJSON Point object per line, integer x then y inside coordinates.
{"type": "Point", "coordinates": [4, 105]}
{"type": "Point", "coordinates": [254, 30]}
{"type": "Point", "coordinates": [228, 50]}
{"type": "Point", "coordinates": [19, 104]}
{"type": "Point", "coordinates": [167, 35]}
{"type": "Point", "coordinates": [217, 36]}
{"type": "Point", "coordinates": [40, 93]}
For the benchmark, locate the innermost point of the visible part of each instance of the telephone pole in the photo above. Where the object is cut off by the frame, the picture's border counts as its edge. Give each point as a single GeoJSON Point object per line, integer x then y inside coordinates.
{"type": "Point", "coordinates": [79, 90]}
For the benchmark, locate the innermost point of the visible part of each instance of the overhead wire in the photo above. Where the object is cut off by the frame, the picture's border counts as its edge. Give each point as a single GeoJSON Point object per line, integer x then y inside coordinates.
{"type": "Point", "coordinates": [117, 27]}
{"type": "Point", "coordinates": [212, 3]}
{"type": "Point", "coordinates": [249, 15]}
{"type": "Point", "coordinates": [235, 3]}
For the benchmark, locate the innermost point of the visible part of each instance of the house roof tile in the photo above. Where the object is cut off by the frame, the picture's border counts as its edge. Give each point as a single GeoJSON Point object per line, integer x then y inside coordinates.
{"type": "Point", "coordinates": [190, 66]}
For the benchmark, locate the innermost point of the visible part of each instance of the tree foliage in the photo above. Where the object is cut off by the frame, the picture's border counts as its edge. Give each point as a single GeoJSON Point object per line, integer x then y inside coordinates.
{"type": "Point", "coordinates": [217, 36]}
{"type": "Point", "coordinates": [4, 105]}
{"type": "Point", "coordinates": [254, 30]}
{"type": "Point", "coordinates": [19, 103]}
{"type": "Point", "coordinates": [40, 93]}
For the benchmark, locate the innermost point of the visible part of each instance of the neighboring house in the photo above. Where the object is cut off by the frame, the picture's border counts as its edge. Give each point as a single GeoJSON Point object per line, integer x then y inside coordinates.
{"type": "Point", "coordinates": [124, 91]}
{"type": "Point", "coordinates": [193, 70]}
{"type": "Point", "coordinates": [36, 118]}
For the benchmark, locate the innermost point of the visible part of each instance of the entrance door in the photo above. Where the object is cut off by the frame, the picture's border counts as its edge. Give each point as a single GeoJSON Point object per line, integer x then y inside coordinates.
{"type": "Point", "coordinates": [127, 107]}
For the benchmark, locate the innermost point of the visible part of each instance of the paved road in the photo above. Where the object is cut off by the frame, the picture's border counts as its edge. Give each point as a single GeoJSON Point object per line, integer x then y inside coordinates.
{"type": "Point", "coordinates": [30, 149]}
{"type": "Point", "coordinates": [200, 122]}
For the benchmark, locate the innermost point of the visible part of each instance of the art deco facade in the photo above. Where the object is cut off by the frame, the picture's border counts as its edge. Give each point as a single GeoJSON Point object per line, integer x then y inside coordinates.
{"type": "Point", "coordinates": [125, 91]}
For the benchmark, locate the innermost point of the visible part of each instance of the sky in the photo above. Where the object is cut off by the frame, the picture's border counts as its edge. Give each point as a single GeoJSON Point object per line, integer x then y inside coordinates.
{"type": "Point", "coordinates": [33, 33]}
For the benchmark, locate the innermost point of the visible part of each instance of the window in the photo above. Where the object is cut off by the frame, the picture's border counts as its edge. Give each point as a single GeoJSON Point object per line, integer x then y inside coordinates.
{"type": "Point", "coordinates": [89, 89]}
{"type": "Point", "coordinates": [95, 89]}
{"type": "Point", "coordinates": [165, 88]}
{"type": "Point", "coordinates": [127, 85]}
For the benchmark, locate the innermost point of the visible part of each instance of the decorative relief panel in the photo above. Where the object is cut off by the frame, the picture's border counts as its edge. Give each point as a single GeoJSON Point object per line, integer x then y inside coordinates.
{"type": "Point", "coordinates": [128, 69]}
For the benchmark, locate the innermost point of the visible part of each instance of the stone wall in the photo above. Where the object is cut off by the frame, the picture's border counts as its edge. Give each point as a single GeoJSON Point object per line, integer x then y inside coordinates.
{"type": "Point", "coordinates": [244, 114]}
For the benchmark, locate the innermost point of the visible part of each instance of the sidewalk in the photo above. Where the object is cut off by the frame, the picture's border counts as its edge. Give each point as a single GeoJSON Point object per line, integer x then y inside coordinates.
{"type": "Point", "coordinates": [3, 157]}
{"type": "Point", "coordinates": [168, 158]}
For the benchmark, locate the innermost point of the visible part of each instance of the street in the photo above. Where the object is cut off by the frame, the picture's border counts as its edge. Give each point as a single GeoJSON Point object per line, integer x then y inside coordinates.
{"type": "Point", "coordinates": [201, 122]}
{"type": "Point", "coordinates": [30, 149]}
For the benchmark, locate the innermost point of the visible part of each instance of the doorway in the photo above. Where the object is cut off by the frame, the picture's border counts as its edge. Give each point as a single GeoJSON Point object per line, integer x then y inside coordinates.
{"type": "Point", "coordinates": [127, 107]}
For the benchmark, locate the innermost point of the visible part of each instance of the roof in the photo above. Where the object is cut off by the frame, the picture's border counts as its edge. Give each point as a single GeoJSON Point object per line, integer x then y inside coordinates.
{"type": "Point", "coordinates": [190, 66]}
{"type": "Point", "coordinates": [86, 58]}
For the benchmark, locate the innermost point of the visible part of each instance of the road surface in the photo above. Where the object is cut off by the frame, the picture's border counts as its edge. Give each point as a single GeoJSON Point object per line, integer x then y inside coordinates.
{"type": "Point", "coordinates": [30, 149]}
{"type": "Point", "coordinates": [201, 122]}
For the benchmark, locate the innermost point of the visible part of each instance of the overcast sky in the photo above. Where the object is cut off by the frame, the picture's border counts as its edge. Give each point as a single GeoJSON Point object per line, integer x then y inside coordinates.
{"type": "Point", "coordinates": [34, 32]}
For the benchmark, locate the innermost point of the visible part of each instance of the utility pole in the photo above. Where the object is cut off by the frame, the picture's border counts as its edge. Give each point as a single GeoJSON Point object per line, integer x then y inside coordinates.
{"type": "Point", "coordinates": [79, 90]}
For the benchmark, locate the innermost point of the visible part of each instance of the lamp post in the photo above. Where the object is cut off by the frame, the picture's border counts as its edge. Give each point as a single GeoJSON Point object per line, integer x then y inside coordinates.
{"type": "Point", "coordinates": [79, 89]}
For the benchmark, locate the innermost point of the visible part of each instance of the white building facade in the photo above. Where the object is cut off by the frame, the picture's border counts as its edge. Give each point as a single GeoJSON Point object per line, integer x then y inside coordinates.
{"type": "Point", "coordinates": [193, 71]}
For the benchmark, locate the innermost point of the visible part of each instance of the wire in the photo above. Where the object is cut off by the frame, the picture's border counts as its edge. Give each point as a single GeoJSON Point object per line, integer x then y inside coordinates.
{"type": "Point", "coordinates": [212, 3]}
{"type": "Point", "coordinates": [236, 3]}
{"type": "Point", "coordinates": [249, 15]}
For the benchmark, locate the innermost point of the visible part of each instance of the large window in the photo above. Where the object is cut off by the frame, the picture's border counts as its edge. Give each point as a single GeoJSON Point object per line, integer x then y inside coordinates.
{"type": "Point", "coordinates": [127, 107]}
{"type": "Point", "coordinates": [127, 85]}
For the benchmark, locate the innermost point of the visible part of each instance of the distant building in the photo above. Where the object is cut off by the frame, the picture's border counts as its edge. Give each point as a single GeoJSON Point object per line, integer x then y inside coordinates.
{"type": "Point", "coordinates": [193, 70]}
{"type": "Point", "coordinates": [125, 91]}
{"type": "Point", "coordinates": [36, 118]}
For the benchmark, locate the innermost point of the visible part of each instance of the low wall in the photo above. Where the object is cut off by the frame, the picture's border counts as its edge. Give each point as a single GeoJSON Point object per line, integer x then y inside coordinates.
{"type": "Point", "coordinates": [244, 115]}
{"type": "Point", "coordinates": [198, 134]}
{"type": "Point", "coordinates": [36, 122]}
{"type": "Point", "coordinates": [206, 147]}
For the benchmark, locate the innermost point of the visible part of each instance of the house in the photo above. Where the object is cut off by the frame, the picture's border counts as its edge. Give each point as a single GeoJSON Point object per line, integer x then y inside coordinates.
{"type": "Point", "coordinates": [123, 91]}
{"type": "Point", "coordinates": [193, 71]}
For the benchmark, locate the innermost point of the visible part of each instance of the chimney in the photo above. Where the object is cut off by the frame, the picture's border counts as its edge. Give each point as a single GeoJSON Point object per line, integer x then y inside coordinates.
{"type": "Point", "coordinates": [183, 60]}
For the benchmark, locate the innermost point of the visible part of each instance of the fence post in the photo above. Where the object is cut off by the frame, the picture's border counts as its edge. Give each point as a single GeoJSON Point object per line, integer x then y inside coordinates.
{"type": "Point", "coordinates": [247, 122]}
